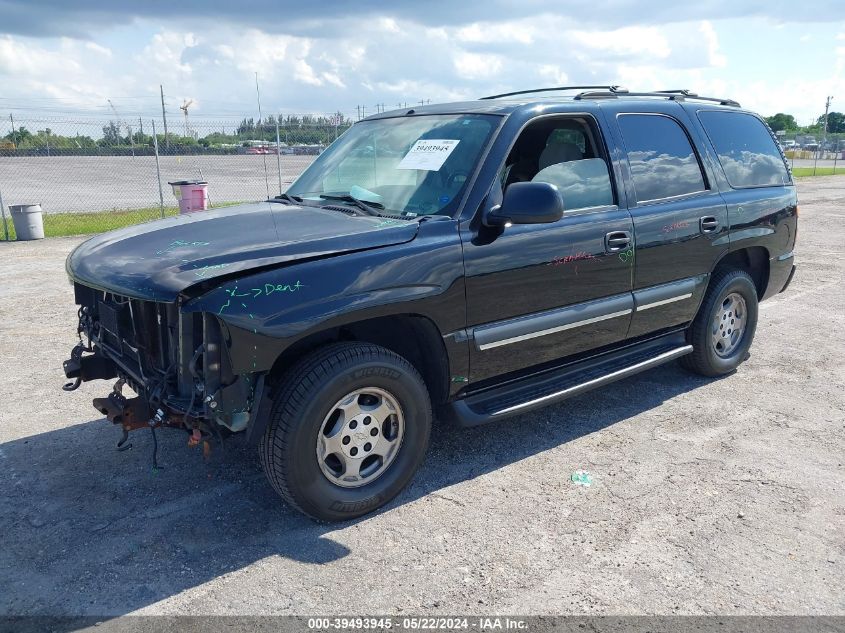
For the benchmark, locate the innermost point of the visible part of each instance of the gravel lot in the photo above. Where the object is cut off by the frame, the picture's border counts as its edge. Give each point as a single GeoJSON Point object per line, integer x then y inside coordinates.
{"type": "Point", "coordinates": [708, 496]}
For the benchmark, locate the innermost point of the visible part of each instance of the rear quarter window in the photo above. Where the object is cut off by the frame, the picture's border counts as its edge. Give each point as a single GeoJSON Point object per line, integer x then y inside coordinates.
{"type": "Point", "coordinates": [746, 149]}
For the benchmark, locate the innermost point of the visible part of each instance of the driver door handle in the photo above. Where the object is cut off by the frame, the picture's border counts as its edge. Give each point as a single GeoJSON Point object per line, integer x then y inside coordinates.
{"type": "Point", "coordinates": [617, 241]}
{"type": "Point", "coordinates": [708, 224]}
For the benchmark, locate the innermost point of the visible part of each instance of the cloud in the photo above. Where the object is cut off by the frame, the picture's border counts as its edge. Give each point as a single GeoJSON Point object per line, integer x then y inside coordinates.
{"type": "Point", "coordinates": [625, 43]}
{"type": "Point", "coordinates": [554, 74]}
{"type": "Point", "coordinates": [497, 33]}
{"type": "Point", "coordinates": [709, 33]}
{"type": "Point", "coordinates": [304, 73]}
{"type": "Point", "coordinates": [102, 50]}
{"type": "Point", "coordinates": [336, 58]}
{"type": "Point", "coordinates": [87, 18]}
{"type": "Point", "coordinates": [476, 65]}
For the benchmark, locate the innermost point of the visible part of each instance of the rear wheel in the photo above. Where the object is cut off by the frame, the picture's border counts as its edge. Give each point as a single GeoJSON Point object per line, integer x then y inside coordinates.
{"type": "Point", "coordinates": [724, 327]}
{"type": "Point", "coordinates": [349, 427]}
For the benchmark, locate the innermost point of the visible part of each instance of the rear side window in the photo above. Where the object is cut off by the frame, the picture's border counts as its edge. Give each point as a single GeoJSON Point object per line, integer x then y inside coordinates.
{"type": "Point", "coordinates": [663, 162]}
{"type": "Point", "coordinates": [746, 149]}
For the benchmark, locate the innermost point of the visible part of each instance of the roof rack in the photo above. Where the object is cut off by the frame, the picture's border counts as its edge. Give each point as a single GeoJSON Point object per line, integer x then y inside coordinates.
{"type": "Point", "coordinates": [610, 89]}
{"type": "Point", "coordinates": [674, 95]}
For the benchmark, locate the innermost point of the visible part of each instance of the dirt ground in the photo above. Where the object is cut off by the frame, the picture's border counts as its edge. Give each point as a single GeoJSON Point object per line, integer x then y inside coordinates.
{"type": "Point", "coordinates": [708, 496]}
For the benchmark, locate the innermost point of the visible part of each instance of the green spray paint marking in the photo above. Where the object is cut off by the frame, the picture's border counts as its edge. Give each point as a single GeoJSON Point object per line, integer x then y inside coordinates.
{"type": "Point", "coordinates": [180, 244]}
{"type": "Point", "coordinates": [388, 223]}
{"type": "Point", "coordinates": [203, 271]}
{"type": "Point", "coordinates": [255, 293]}
{"type": "Point", "coordinates": [581, 478]}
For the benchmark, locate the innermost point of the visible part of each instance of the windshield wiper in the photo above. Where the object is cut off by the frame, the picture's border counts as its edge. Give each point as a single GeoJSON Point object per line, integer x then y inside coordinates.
{"type": "Point", "coordinates": [284, 197]}
{"type": "Point", "coordinates": [367, 207]}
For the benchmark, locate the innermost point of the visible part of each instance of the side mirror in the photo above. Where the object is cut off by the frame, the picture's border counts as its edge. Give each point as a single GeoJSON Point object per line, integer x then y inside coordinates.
{"type": "Point", "coordinates": [527, 203]}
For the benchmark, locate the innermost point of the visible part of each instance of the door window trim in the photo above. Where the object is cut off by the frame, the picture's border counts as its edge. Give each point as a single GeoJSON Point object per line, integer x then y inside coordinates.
{"type": "Point", "coordinates": [598, 138]}
{"type": "Point", "coordinates": [708, 187]}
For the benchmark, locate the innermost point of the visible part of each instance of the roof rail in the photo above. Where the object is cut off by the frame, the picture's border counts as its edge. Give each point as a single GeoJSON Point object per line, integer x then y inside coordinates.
{"type": "Point", "coordinates": [674, 95]}
{"type": "Point", "coordinates": [611, 89]}
{"type": "Point", "coordinates": [689, 94]}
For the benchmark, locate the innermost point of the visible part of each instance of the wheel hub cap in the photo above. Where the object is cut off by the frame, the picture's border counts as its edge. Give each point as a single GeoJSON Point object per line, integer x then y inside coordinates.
{"type": "Point", "coordinates": [360, 437]}
{"type": "Point", "coordinates": [729, 324]}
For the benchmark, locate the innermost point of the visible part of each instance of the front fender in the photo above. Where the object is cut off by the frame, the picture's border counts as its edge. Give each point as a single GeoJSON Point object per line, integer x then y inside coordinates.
{"type": "Point", "coordinates": [264, 313]}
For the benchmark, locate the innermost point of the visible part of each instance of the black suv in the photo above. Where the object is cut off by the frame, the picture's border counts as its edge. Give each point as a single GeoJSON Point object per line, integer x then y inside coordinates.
{"type": "Point", "coordinates": [468, 260]}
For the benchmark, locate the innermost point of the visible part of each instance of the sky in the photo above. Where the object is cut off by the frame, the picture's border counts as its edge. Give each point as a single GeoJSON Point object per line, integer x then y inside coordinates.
{"type": "Point", "coordinates": [61, 58]}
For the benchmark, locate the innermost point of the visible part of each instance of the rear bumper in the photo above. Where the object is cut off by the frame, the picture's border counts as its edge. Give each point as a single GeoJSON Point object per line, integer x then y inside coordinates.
{"type": "Point", "coordinates": [781, 270]}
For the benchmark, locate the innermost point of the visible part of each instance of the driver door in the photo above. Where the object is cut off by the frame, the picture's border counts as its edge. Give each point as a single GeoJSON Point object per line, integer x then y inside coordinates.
{"type": "Point", "coordinates": [542, 292]}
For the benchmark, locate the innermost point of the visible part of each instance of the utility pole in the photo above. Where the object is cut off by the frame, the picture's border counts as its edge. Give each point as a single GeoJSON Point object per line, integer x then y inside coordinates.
{"type": "Point", "coordinates": [164, 117]}
{"type": "Point", "coordinates": [258, 96]}
{"type": "Point", "coordinates": [279, 154]}
{"type": "Point", "coordinates": [826, 109]}
{"type": "Point", "coordinates": [359, 112]}
{"type": "Point", "coordinates": [14, 134]}
{"type": "Point", "coordinates": [261, 134]}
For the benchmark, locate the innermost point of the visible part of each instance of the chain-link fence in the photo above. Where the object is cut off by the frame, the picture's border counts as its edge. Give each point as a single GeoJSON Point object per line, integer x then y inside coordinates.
{"type": "Point", "coordinates": [95, 175]}
{"type": "Point", "coordinates": [814, 154]}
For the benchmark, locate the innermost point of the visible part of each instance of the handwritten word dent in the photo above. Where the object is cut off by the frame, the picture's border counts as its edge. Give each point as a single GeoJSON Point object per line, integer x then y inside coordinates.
{"type": "Point", "coordinates": [270, 288]}
{"type": "Point", "coordinates": [267, 289]}
{"type": "Point", "coordinates": [254, 293]}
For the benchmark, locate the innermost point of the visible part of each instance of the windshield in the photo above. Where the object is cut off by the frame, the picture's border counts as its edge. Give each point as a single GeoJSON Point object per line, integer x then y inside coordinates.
{"type": "Point", "coordinates": [411, 165]}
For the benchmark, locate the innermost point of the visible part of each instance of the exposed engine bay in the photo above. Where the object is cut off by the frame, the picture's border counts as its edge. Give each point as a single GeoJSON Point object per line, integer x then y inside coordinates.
{"type": "Point", "coordinates": [176, 361]}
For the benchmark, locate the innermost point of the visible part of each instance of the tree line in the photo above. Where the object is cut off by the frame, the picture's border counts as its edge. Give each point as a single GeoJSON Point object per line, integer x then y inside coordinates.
{"type": "Point", "coordinates": [124, 138]}
{"type": "Point", "coordinates": [787, 123]}
{"type": "Point", "coordinates": [293, 130]}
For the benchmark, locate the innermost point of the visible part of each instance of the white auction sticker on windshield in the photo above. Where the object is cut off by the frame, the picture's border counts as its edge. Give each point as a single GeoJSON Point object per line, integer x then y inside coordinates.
{"type": "Point", "coordinates": [428, 154]}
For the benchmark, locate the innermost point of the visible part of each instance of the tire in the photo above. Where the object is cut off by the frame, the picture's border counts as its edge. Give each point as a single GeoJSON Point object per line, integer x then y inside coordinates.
{"type": "Point", "coordinates": [321, 406]}
{"type": "Point", "coordinates": [717, 350]}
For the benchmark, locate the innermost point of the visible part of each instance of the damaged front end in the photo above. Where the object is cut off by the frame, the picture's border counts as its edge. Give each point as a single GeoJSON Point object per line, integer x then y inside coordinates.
{"type": "Point", "coordinates": [175, 360]}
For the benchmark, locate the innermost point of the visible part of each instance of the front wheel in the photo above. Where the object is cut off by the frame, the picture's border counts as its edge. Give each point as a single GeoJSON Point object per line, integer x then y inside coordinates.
{"type": "Point", "coordinates": [724, 327]}
{"type": "Point", "coordinates": [349, 427]}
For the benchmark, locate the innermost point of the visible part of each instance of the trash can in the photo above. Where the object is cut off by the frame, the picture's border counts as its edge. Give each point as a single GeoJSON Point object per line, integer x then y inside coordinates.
{"type": "Point", "coordinates": [191, 194]}
{"type": "Point", "coordinates": [28, 221]}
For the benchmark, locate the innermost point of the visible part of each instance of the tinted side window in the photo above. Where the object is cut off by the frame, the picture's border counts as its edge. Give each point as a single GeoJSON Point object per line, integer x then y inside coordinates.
{"type": "Point", "coordinates": [663, 163]}
{"type": "Point", "coordinates": [746, 149]}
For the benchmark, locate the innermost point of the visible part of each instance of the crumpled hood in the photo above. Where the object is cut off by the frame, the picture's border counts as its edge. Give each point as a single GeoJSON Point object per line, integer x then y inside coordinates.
{"type": "Point", "coordinates": [158, 260]}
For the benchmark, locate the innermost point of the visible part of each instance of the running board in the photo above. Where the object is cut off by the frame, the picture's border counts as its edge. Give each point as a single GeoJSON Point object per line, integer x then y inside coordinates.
{"type": "Point", "coordinates": [559, 384]}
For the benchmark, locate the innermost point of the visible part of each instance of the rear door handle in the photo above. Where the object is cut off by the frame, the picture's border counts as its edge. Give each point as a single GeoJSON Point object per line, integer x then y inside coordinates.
{"type": "Point", "coordinates": [708, 224]}
{"type": "Point", "coordinates": [617, 241]}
